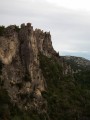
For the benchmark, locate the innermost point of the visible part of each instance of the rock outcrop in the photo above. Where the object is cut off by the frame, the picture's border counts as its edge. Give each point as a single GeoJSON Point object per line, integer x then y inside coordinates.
{"type": "Point", "coordinates": [21, 73]}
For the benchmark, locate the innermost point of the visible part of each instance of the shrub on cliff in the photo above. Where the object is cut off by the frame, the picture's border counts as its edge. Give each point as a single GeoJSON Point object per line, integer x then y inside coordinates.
{"type": "Point", "coordinates": [2, 30]}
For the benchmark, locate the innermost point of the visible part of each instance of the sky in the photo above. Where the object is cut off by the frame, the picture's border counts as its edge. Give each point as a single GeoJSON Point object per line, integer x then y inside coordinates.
{"type": "Point", "coordinates": [67, 20]}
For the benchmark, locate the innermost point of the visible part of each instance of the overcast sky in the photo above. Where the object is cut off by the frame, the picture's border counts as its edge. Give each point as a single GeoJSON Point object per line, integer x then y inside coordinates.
{"type": "Point", "coordinates": [67, 20]}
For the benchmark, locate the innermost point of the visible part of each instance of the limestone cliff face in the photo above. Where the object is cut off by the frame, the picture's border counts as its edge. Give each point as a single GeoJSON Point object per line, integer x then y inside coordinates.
{"type": "Point", "coordinates": [21, 74]}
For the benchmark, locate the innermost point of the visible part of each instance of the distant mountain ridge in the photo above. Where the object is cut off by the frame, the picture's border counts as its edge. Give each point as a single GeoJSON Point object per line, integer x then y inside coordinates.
{"type": "Point", "coordinates": [77, 62]}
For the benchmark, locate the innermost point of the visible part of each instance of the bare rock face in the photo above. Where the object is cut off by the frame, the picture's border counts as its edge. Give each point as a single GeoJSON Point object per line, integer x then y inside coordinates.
{"type": "Point", "coordinates": [19, 54]}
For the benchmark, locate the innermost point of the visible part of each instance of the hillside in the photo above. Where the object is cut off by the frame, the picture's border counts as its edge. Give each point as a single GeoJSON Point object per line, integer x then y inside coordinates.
{"type": "Point", "coordinates": [77, 62]}
{"type": "Point", "coordinates": [81, 69]}
{"type": "Point", "coordinates": [38, 84]}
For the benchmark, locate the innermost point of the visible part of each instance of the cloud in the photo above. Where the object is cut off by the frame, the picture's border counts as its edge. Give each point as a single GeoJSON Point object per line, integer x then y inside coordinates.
{"type": "Point", "coordinates": [72, 4]}
{"type": "Point", "coordinates": [70, 29]}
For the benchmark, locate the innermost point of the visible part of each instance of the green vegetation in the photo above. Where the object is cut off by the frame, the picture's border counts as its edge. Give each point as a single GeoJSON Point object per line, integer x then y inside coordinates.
{"type": "Point", "coordinates": [17, 29]}
{"type": "Point", "coordinates": [83, 78]}
{"type": "Point", "coordinates": [4, 105]}
{"type": "Point", "coordinates": [2, 30]}
{"type": "Point", "coordinates": [66, 96]}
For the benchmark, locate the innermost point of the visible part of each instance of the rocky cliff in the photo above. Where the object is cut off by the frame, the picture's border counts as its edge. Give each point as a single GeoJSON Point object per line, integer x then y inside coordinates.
{"type": "Point", "coordinates": [19, 55]}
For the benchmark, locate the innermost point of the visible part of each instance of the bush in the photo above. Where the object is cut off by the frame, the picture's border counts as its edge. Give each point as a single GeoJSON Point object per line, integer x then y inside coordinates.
{"type": "Point", "coordinates": [2, 30]}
